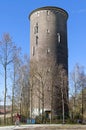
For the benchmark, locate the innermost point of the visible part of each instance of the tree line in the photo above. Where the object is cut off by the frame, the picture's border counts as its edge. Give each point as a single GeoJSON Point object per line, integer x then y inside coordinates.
{"type": "Point", "coordinates": [18, 84]}
{"type": "Point", "coordinates": [14, 72]}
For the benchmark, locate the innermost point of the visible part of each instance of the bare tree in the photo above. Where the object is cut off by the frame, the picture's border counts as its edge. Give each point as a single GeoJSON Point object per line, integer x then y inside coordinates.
{"type": "Point", "coordinates": [59, 90]}
{"type": "Point", "coordinates": [37, 83]}
{"type": "Point", "coordinates": [64, 91]}
{"type": "Point", "coordinates": [6, 48]}
{"type": "Point", "coordinates": [14, 74]}
{"type": "Point", "coordinates": [25, 91]}
{"type": "Point", "coordinates": [74, 89]}
{"type": "Point", "coordinates": [33, 69]}
{"type": "Point", "coordinates": [82, 86]}
{"type": "Point", "coordinates": [46, 86]}
{"type": "Point", "coordinates": [23, 85]}
{"type": "Point", "coordinates": [79, 84]}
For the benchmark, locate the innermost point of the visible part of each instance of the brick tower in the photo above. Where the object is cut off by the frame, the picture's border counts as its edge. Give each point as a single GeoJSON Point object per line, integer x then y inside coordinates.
{"type": "Point", "coordinates": [48, 49]}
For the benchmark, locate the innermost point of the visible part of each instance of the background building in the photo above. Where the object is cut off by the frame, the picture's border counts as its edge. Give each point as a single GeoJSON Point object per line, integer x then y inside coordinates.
{"type": "Point", "coordinates": [48, 50]}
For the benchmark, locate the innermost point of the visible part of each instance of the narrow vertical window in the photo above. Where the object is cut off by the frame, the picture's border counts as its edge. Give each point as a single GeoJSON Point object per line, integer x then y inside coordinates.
{"type": "Point", "coordinates": [48, 70]}
{"type": "Point", "coordinates": [48, 31]}
{"type": "Point", "coordinates": [33, 50]}
{"type": "Point", "coordinates": [36, 28]}
{"type": "Point", "coordinates": [48, 50]}
{"type": "Point", "coordinates": [37, 13]}
{"type": "Point", "coordinates": [36, 40]}
{"type": "Point", "coordinates": [58, 36]}
{"type": "Point", "coordinates": [47, 12]}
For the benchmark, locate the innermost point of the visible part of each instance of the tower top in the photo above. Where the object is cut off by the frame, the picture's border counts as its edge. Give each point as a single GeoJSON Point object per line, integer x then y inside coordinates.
{"type": "Point", "coordinates": [53, 8]}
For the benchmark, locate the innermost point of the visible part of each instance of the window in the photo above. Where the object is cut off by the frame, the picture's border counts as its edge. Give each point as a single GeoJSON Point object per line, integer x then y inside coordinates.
{"type": "Point", "coordinates": [48, 31]}
{"type": "Point", "coordinates": [37, 13]}
{"type": "Point", "coordinates": [36, 28]}
{"type": "Point", "coordinates": [33, 50]}
{"type": "Point", "coordinates": [48, 70]}
{"type": "Point", "coordinates": [36, 40]}
{"type": "Point", "coordinates": [47, 12]}
{"type": "Point", "coordinates": [58, 36]}
{"type": "Point", "coordinates": [48, 50]}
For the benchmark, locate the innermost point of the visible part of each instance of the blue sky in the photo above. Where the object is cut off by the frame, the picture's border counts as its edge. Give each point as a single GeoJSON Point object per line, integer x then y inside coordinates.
{"type": "Point", "coordinates": [14, 20]}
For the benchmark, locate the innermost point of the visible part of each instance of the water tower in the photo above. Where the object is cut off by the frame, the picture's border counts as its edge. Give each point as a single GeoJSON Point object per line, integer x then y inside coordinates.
{"type": "Point", "coordinates": [48, 46]}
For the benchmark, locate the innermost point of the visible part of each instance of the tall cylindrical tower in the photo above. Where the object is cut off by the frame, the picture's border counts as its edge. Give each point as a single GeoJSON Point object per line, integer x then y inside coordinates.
{"type": "Point", "coordinates": [48, 45]}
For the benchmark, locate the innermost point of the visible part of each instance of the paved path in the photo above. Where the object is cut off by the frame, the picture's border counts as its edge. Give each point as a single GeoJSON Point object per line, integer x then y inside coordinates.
{"type": "Point", "coordinates": [13, 127]}
{"type": "Point", "coordinates": [26, 126]}
{"type": "Point", "coordinates": [45, 127]}
{"type": "Point", "coordinates": [19, 127]}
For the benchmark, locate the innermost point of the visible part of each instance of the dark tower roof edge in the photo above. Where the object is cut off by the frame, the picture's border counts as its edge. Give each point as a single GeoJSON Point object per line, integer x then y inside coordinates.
{"type": "Point", "coordinates": [49, 8]}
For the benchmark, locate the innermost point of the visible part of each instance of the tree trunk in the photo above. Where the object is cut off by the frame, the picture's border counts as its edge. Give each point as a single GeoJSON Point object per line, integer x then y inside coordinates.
{"type": "Point", "coordinates": [13, 97]}
{"type": "Point", "coordinates": [5, 93]}
{"type": "Point", "coordinates": [42, 102]}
